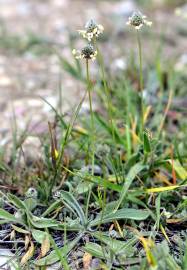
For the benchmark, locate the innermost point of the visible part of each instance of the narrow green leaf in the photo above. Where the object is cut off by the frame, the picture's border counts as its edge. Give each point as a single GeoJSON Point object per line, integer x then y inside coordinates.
{"type": "Point", "coordinates": [180, 170]}
{"type": "Point", "coordinates": [104, 183]}
{"type": "Point", "coordinates": [7, 217]}
{"type": "Point", "coordinates": [39, 235]}
{"type": "Point", "coordinates": [42, 223]}
{"type": "Point", "coordinates": [157, 204]}
{"type": "Point", "coordinates": [128, 181]}
{"type": "Point", "coordinates": [147, 145]}
{"type": "Point", "coordinates": [20, 230]}
{"type": "Point", "coordinates": [52, 207]}
{"type": "Point", "coordinates": [117, 246]}
{"type": "Point", "coordinates": [95, 250]}
{"type": "Point", "coordinates": [70, 200]}
{"type": "Point", "coordinates": [62, 258]}
{"type": "Point", "coordinates": [16, 201]}
{"type": "Point", "coordinates": [125, 213]}
{"type": "Point", "coordinates": [107, 127]}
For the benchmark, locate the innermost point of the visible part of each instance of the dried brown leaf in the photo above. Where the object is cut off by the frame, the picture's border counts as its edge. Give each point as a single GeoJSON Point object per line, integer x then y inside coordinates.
{"type": "Point", "coordinates": [45, 246]}
{"type": "Point", "coordinates": [12, 235]}
{"type": "Point", "coordinates": [27, 241]}
{"type": "Point", "coordinates": [28, 255]}
{"type": "Point", "coordinates": [87, 258]}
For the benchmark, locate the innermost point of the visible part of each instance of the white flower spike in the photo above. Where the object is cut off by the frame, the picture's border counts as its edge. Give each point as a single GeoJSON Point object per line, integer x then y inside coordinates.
{"type": "Point", "coordinates": [92, 30]}
{"type": "Point", "coordinates": [88, 53]}
{"type": "Point", "coordinates": [137, 20]}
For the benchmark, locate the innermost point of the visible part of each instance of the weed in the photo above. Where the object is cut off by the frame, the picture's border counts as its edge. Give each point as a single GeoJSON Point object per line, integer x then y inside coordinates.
{"type": "Point", "coordinates": [107, 187]}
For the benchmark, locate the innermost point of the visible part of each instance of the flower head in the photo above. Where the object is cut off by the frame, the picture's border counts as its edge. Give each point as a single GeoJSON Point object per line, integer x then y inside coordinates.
{"type": "Point", "coordinates": [92, 30]}
{"type": "Point", "coordinates": [57, 194]}
{"type": "Point", "coordinates": [138, 20]}
{"type": "Point", "coordinates": [31, 193]}
{"type": "Point", "coordinates": [88, 53]}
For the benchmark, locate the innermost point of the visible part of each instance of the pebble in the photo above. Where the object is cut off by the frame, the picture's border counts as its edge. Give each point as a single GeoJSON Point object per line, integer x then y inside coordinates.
{"type": "Point", "coordinates": [181, 64]}
{"type": "Point", "coordinates": [119, 64]}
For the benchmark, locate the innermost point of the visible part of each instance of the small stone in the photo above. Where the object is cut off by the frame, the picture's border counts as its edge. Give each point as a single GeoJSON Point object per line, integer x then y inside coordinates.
{"type": "Point", "coordinates": [95, 264]}
{"type": "Point", "coordinates": [119, 64]}
{"type": "Point", "coordinates": [5, 81]}
{"type": "Point", "coordinates": [88, 168]}
{"type": "Point", "coordinates": [181, 64]}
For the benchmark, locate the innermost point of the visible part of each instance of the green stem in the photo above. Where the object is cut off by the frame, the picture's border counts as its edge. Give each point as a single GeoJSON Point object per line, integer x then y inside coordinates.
{"type": "Point", "coordinates": [92, 132]}
{"type": "Point", "coordinates": [141, 80]}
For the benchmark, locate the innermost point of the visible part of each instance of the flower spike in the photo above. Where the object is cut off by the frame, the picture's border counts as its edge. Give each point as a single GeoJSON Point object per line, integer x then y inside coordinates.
{"type": "Point", "coordinates": [92, 30]}
{"type": "Point", "coordinates": [137, 20]}
{"type": "Point", "coordinates": [88, 52]}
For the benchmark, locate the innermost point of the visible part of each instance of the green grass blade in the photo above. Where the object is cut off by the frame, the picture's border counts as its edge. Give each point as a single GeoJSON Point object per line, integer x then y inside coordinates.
{"type": "Point", "coordinates": [136, 169]}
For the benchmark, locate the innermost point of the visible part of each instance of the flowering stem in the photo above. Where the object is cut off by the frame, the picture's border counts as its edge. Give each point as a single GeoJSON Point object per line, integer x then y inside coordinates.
{"type": "Point", "coordinates": [92, 131]}
{"type": "Point", "coordinates": [141, 80]}
{"type": "Point", "coordinates": [91, 114]}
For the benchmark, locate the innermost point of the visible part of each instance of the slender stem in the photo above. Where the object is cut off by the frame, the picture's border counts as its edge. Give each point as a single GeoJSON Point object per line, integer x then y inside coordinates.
{"type": "Point", "coordinates": [141, 79]}
{"type": "Point", "coordinates": [92, 132]}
